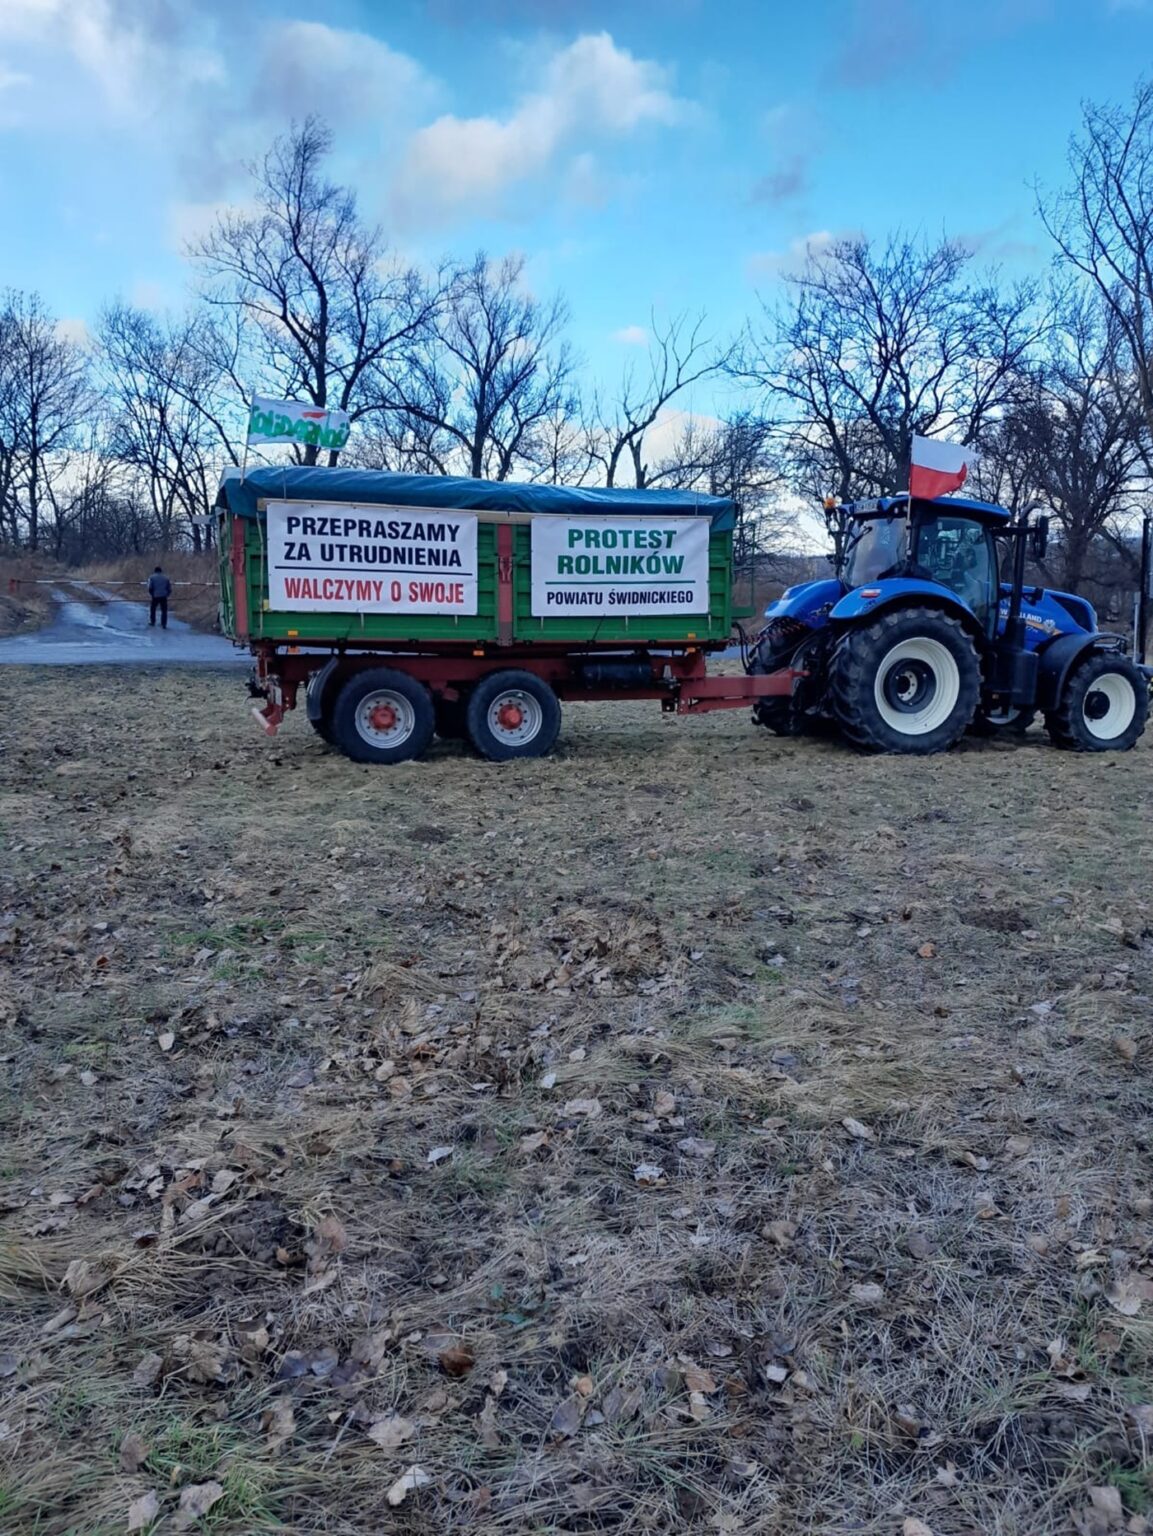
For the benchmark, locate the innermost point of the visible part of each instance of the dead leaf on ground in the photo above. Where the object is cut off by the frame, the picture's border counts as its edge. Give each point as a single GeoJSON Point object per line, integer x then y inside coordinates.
{"type": "Point", "coordinates": [780, 1232]}
{"type": "Point", "coordinates": [664, 1104]}
{"type": "Point", "coordinates": [1018, 1146]}
{"type": "Point", "coordinates": [1125, 1047]}
{"type": "Point", "coordinates": [693, 1146]}
{"type": "Point", "coordinates": [391, 1432]}
{"type": "Point", "coordinates": [1129, 1294]}
{"type": "Point", "coordinates": [147, 1370]}
{"type": "Point", "coordinates": [947, 1476]}
{"type": "Point", "coordinates": [279, 1422]}
{"type": "Point", "coordinates": [408, 1482]}
{"type": "Point", "coordinates": [915, 1527]}
{"type": "Point", "coordinates": [918, 1246]}
{"type": "Point", "coordinates": [867, 1293]}
{"type": "Point", "coordinates": [927, 951]}
{"type": "Point", "coordinates": [533, 1143]}
{"type": "Point", "coordinates": [566, 1419]}
{"type": "Point", "coordinates": [142, 1512]}
{"type": "Point", "coordinates": [166, 1040]}
{"type": "Point", "coordinates": [133, 1452]}
{"type": "Point", "coordinates": [195, 1502]}
{"type": "Point", "coordinates": [649, 1174]}
{"type": "Point", "coordinates": [857, 1130]}
{"type": "Point", "coordinates": [590, 1108]}
{"type": "Point", "coordinates": [438, 1155]}
{"type": "Point", "coordinates": [458, 1360]}
{"type": "Point", "coordinates": [698, 1380]}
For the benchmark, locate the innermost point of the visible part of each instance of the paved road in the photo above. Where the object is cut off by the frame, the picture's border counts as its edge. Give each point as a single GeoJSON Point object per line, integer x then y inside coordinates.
{"type": "Point", "coordinates": [114, 632]}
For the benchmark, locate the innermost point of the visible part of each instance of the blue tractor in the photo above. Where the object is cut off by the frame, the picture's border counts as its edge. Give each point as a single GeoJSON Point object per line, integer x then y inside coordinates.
{"type": "Point", "coordinates": [928, 629]}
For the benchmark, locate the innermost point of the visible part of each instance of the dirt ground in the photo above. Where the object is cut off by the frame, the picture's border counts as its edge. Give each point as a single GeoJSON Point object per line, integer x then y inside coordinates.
{"type": "Point", "coordinates": [689, 1132]}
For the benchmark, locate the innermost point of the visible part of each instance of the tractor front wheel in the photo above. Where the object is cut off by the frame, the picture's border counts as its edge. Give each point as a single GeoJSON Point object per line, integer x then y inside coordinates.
{"type": "Point", "coordinates": [908, 682]}
{"type": "Point", "coordinates": [1104, 706]}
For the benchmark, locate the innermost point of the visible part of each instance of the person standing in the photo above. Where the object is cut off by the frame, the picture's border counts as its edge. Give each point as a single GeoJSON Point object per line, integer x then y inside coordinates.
{"type": "Point", "coordinates": [159, 591]}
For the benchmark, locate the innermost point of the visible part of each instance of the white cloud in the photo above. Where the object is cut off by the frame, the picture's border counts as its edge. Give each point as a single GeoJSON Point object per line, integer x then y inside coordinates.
{"type": "Point", "coordinates": [344, 76]}
{"type": "Point", "coordinates": [74, 329]}
{"type": "Point", "coordinates": [590, 88]}
{"type": "Point", "coordinates": [632, 336]}
{"type": "Point", "coordinates": [146, 294]}
{"type": "Point", "coordinates": [790, 261]}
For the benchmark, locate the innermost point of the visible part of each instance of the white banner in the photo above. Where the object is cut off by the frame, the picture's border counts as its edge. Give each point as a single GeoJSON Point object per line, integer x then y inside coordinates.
{"type": "Point", "coordinates": [289, 421]}
{"type": "Point", "coordinates": [594, 566]}
{"type": "Point", "coordinates": [328, 558]}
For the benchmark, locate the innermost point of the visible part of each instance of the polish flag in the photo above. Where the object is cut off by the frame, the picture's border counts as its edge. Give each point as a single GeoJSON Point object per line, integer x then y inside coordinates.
{"type": "Point", "coordinates": [937, 467]}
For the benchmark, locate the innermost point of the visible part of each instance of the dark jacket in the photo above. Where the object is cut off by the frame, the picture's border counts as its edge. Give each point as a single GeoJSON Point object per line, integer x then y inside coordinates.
{"type": "Point", "coordinates": [159, 585]}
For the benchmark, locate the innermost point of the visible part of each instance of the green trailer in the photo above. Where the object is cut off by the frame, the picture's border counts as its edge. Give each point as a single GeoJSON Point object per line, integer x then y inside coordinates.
{"type": "Point", "coordinates": [414, 605]}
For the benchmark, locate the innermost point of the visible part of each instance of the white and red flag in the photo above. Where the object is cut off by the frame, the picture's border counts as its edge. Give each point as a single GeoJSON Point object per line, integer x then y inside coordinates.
{"type": "Point", "coordinates": [937, 467]}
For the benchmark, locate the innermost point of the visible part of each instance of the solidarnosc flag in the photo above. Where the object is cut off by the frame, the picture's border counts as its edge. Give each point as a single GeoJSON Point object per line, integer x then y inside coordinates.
{"type": "Point", "coordinates": [289, 421]}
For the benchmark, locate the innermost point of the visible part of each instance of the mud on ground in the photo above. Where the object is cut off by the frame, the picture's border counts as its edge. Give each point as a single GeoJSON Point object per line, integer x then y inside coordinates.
{"type": "Point", "coordinates": [689, 1132]}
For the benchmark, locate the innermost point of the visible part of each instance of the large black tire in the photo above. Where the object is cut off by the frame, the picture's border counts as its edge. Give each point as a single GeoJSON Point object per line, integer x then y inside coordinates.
{"type": "Point", "coordinates": [908, 682]}
{"type": "Point", "coordinates": [1104, 706]}
{"type": "Point", "coordinates": [512, 714]}
{"type": "Point", "coordinates": [319, 697]}
{"type": "Point", "coordinates": [382, 716]}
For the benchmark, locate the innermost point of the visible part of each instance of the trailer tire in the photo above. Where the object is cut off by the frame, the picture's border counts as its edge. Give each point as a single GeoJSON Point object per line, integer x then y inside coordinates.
{"type": "Point", "coordinates": [382, 716]}
{"type": "Point", "coordinates": [512, 714]}
{"type": "Point", "coordinates": [1105, 693]}
{"type": "Point", "coordinates": [908, 682]}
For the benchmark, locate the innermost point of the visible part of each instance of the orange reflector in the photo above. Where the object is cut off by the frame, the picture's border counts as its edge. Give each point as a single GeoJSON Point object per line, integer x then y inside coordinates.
{"type": "Point", "coordinates": [478, 653]}
{"type": "Point", "coordinates": [293, 634]}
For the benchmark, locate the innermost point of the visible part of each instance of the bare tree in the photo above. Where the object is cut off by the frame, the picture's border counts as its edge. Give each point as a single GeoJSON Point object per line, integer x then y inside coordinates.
{"type": "Point", "coordinates": [44, 396]}
{"type": "Point", "coordinates": [680, 355]}
{"type": "Point", "coordinates": [479, 388]}
{"type": "Point", "coordinates": [1103, 226]}
{"type": "Point", "coordinates": [876, 344]}
{"type": "Point", "coordinates": [1072, 438]}
{"type": "Point", "coordinates": [326, 310]}
{"type": "Point", "coordinates": [162, 387]}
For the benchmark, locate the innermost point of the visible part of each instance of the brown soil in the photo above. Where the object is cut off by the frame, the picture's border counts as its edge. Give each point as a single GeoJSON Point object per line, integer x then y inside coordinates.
{"type": "Point", "coordinates": [689, 1132]}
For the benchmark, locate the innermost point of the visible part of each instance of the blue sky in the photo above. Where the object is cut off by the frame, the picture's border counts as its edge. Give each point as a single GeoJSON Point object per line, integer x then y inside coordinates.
{"type": "Point", "coordinates": [643, 154]}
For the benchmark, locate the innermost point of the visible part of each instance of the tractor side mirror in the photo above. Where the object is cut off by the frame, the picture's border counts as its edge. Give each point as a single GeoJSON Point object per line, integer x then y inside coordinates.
{"type": "Point", "coordinates": [1039, 538]}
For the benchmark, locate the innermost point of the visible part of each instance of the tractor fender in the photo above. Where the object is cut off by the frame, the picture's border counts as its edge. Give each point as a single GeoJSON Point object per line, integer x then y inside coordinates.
{"type": "Point", "coordinates": [804, 601]}
{"type": "Point", "coordinates": [892, 591]}
{"type": "Point", "coordinates": [1056, 662]}
{"type": "Point", "coordinates": [318, 685]}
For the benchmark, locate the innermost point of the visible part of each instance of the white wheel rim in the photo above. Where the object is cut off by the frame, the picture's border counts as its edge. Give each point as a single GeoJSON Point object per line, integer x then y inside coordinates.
{"type": "Point", "coordinates": [515, 717]}
{"type": "Point", "coordinates": [1109, 706]}
{"type": "Point", "coordinates": [385, 718]}
{"type": "Point", "coordinates": [917, 686]}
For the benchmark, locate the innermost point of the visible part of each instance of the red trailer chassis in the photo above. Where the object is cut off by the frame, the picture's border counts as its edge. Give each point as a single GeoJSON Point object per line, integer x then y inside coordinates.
{"type": "Point", "coordinates": [678, 678]}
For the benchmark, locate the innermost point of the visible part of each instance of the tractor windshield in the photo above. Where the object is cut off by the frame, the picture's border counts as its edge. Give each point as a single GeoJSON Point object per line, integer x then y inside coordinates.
{"type": "Point", "coordinates": [877, 545]}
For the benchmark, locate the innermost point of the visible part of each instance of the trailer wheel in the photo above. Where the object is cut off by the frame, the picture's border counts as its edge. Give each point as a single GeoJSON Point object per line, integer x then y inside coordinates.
{"type": "Point", "coordinates": [1104, 707]}
{"type": "Point", "coordinates": [382, 716]}
{"type": "Point", "coordinates": [318, 701]}
{"type": "Point", "coordinates": [908, 682]}
{"type": "Point", "coordinates": [513, 714]}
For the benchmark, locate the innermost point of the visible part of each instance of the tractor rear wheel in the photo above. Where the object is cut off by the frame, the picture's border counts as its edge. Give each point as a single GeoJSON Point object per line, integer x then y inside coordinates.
{"type": "Point", "coordinates": [908, 682]}
{"type": "Point", "coordinates": [1104, 706]}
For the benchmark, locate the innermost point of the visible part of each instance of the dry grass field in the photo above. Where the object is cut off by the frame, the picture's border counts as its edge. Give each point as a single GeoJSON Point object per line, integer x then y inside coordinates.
{"type": "Point", "coordinates": [691, 1132]}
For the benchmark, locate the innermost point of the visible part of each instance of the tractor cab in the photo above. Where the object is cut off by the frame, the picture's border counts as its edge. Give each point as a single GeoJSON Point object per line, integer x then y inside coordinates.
{"type": "Point", "coordinates": [949, 543]}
